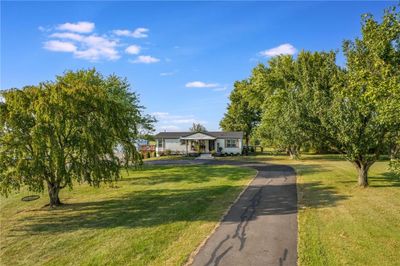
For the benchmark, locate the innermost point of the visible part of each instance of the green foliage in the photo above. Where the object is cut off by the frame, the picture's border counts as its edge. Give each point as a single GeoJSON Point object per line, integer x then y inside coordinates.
{"type": "Point", "coordinates": [241, 115]}
{"type": "Point", "coordinates": [198, 128]}
{"type": "Point", "coordinates": [310, 101]}
{"type": "Point", "coordinates": [365, 110]}
{"type": "Point", "coordinates": [296, 94]}
{"type": "Point", "coordinates": [68, 129]}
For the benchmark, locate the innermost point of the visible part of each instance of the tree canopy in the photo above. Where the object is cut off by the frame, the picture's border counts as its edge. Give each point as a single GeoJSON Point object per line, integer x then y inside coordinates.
{"type": "Point", "coordinates": [68, 129]}
{"type": "Point", "coordinates": [240, 115]}
{"type": "Point", "coordinates": [197, 127]}
{"type": "Point", "coordinates": [310, 101]}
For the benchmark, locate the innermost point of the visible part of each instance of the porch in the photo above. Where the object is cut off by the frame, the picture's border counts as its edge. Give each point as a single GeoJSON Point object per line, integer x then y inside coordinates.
{"type": "Point", "coordinates": [199, 143]}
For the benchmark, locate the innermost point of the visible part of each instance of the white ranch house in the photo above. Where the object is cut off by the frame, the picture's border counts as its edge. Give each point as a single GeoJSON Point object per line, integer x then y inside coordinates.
{"type": "Point", "coordinates": [199, 142]}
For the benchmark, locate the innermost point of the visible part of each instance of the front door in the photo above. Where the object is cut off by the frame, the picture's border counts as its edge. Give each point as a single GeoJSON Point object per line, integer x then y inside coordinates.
{"type": "Point", "coordinates": [202, 145]}
{"type": "Point", "coordinates": [211, 145]}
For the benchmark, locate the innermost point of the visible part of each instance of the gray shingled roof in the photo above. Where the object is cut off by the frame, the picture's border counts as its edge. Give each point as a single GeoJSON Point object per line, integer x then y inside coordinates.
{"type": "Point", "coordinates": [215, 134]}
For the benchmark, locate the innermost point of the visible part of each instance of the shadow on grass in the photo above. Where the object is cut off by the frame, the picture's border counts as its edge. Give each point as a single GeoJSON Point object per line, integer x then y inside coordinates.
{"type": "Point", "coordinates": [137, 209]}
{"type": "Point", "coordinates": [316, 194]}
{"type": "Point", "coordinates": [384, 180]}
{"type": "Point", "coordinates": [155, 207]}
{"type": "Point", "coordinates": [173, 174]}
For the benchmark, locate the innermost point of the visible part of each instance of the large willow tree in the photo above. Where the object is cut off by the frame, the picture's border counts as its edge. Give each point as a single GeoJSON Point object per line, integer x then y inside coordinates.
{"type": "Point", "coordinates": [69, 129]}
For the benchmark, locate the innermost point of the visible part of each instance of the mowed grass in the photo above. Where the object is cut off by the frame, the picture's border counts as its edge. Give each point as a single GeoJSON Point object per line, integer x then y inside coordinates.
{"type": "Point", "coordinates": [340, 223]}
{"type": "Point", "coordinates": [155, 216]}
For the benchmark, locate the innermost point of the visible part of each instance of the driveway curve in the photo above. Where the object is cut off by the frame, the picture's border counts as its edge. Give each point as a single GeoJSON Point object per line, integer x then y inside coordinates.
{"type": "Point", "coordinates": [260, 228]}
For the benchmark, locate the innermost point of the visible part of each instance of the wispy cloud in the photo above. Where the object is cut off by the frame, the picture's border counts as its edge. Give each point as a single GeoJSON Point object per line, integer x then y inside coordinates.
{"type": "Point", "coordinates": [133, 49]}
{"type": "Point", "coordinates": [200, 84]}
{"type": "Point", "coordinates": [137, 33]}
{"type": "Point", "coordinates": [80, 27]}
{"type": "Point", "coordinates": [282, 49]}
{"type": "Point", "coordinates": [169, 122]}
{"type": "Point", "coordinates": [145, 59]}
{"type": "Point", "coordinates": [224, 88]}
{"type": "Point", "coordinates": [164, 74]}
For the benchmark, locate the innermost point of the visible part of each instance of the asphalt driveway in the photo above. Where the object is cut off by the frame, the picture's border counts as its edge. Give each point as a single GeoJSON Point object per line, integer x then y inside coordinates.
{"type": "Point", "coordinates": [261, 226]}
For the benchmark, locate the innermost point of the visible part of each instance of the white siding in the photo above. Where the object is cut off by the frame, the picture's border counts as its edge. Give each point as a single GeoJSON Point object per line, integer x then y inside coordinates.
{"type": "Point", "coordinates": [221, 142]}
{"type": "Point", "coordinates": [174, 145]}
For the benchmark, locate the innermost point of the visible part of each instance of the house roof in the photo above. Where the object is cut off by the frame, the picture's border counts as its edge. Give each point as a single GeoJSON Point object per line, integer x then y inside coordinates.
{"type": "Point", "coordinates": [215, 134]}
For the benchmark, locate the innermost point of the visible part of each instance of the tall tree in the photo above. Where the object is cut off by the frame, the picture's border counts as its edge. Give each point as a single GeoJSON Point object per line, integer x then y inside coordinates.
{"type": "Point", "coordinates": [364, 114]}
{"type": "Point", "coordinates": [240, 115]}
{"type": "Point", "coordinates": [295, 91]}
{"type": "Point", "coordinates": [66, 130]}
{"type": "Point", "coordinates": [197, 127]}
{"type": "Point", "coordinates": [280, 123]}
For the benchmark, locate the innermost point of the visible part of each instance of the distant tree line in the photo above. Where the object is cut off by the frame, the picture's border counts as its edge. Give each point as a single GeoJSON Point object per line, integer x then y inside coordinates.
{"type": "Point", "coordinates": [310, 101]}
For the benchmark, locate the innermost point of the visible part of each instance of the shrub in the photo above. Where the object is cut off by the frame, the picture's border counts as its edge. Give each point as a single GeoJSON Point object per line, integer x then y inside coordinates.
{"type": "Point", "coordinates": [168, 152]}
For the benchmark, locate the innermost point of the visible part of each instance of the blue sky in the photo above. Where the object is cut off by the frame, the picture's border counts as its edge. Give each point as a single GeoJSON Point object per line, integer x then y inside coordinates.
{"type": "Point", "coordinates": [182, 58]}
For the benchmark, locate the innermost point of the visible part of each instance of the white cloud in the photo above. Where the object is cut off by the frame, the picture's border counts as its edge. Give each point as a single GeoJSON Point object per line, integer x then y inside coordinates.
{"type": "Point", "coordinates": [137, 33]}
{"type": "Point", "coordinates": [90, 47]}
{"type": "Point", "coordinates": [140, 33]}
{"type": "Point", "coordinates": [82, 42]}
{"type": "Point", "coordinates": [145, 59]}
{"type": "Point", "coordinates": [67, 35]}
{"type": "Point", "coordinates": [200, 84]}
{"type": "Point", "coordinates": [59, 46]}
{"type": "Point", "coordinates": [170, 128]}
{"type": "Point", "coordinates": [133, 49]}
{"type": "Point", "coordinates": [80, 27]}
{"type": "Point", "coordinates": [122, 32]}
{"type": "Point", "coordinates": [160, 114]}
{"type": "Point", "coordinates": [282, 49]}
{"type": "Point", "coordinates": [169, 122]}
{"type": "Point", "coordinates": [221, 88]}
{"type": "Point", "coordinates": [43, 29]}
{"type": "Point", "coordinates": [95, 47]}
{"type": "Point", "coordinates": [163, 74]}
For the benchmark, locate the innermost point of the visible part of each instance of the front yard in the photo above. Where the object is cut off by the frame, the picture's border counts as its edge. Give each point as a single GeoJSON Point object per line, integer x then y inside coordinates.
{"type": "Point", "coordinates": [157, 216]}
{"type": "Point", "coordinates": [340, 223]}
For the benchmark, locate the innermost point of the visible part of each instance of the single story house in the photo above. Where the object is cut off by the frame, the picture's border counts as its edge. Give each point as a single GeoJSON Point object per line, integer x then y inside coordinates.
{"type": "Point", "coordinates": [199, 142]}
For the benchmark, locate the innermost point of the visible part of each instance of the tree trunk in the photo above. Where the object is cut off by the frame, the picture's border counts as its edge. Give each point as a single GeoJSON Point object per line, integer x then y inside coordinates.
{"type": "Point", "coordinates": [362, 168]}
{"type": "Point", "coordinates": [293, 152]}
{"type": "Point", "coordinates": [54, 190]}
{"type": "Point", "coordinates": [394, 150]}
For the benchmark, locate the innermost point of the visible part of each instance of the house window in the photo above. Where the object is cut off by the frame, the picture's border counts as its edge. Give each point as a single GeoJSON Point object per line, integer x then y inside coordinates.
{"type": "Point", "coordinates": [231, 143]}
{"type": "Point", "coordinates": [183, 142]}
{"type": "Point", "coordinates": [160, 143]}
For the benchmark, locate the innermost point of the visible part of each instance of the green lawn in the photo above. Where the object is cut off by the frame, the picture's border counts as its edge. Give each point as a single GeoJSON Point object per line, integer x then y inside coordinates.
{"type": "Point", "coordinates": [170, 157]}
{"type": "Point", "coordinates": [156, 216]}
{"type": "Point", "coordinates": [340, 223]}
